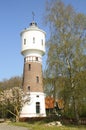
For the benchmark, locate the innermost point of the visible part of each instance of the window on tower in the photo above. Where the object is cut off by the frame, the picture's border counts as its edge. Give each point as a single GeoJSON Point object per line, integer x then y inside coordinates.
{"type": "Point", "coordinates": [28, 88]}
{"type": "Point", "coordinates": [37, 96]}
{"type": "Point", "coordinates": [37, 107]}
{"type": "Point", "coordinates": [37, 79]}
{"type": "Point", "coordinates": [42, 42]}
{"type": "Point", "coordinates": [36, 58]}
{"type": "Point", "coordinates": [33, 39]}
{"type": "Point", "coordinates": [24, 41]}
{"type": "Point", "coordinates": [29, 67]}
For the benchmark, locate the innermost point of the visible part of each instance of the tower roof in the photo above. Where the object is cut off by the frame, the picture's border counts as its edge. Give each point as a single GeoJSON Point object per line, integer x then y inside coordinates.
{"type": "Point", "coordinates": [32, 26]}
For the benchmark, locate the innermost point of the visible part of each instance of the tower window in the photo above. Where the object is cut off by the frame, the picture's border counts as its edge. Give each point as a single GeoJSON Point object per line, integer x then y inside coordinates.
{"type": "Point", "coordinates": [37, 96]}
{"type": "Point", "coordinates": [33, 39]}
{"type": "Point", "coordinates": [42, 42]}
{"type": "Point", "coordinates": [24, 41]}
{"type": "Point", "coordinates": [36, 58]}
{"type": "Point", "coordinates": [37, 107]}
{"type": "Point", "coordinates": [28, 88]}
{"type": "Point", "coordinates": [29, 67]}
{"type": "Point", "coordinates": [37, 79]}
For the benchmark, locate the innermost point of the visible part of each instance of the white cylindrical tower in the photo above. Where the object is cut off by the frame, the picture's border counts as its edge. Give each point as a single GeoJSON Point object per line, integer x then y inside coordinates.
{"type": "Point", "coordinates": [33, 48]}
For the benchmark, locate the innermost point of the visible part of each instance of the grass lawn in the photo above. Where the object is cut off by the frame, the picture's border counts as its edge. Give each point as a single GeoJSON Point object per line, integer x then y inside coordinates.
{"type": "Point", "coordinates": [42, 126]}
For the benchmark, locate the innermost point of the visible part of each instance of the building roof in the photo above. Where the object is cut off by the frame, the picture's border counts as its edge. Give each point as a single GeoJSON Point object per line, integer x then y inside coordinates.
{"type": "Point", "coordinates": [50, 103]}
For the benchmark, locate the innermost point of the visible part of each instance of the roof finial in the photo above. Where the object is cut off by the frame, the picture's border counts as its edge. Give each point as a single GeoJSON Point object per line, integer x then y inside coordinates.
{"type": "Point", "coordinates": [33, 22]}
{"type": "Point", "coordinates": [33, 14]}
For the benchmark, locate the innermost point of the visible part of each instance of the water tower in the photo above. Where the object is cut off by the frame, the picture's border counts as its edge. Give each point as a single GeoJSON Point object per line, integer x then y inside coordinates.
{"type": "Point", "coordinates": [33, 48]}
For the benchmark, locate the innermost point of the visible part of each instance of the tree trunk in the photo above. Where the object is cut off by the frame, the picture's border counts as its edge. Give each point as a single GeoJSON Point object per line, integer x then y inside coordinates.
{"type": "Point", "coordinates": [17, 114]}
{"type": "Point", "coordinates": [76, 111]}
{"type": "Point", "coordinates": [17, 118]}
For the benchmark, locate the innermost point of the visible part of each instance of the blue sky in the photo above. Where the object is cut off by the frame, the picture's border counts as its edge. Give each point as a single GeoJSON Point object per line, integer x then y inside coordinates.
{"type": "Point", "coordinates": [15, 15]}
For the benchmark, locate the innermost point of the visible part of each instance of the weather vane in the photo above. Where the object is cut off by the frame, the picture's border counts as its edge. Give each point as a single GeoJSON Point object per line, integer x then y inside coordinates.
{"type": "Point", "coordinates": [33, 14]}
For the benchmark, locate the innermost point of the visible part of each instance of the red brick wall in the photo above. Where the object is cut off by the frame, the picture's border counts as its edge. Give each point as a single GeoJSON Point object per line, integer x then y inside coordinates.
{"type": "Point", "coordinates": [29, 77]}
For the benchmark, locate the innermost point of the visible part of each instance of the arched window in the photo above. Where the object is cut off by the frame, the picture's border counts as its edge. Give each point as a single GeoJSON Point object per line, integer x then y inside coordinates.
{"type": "Point", "coordinates": [24, 41]}
{"type": "Point", "coordinates": [29, 67]}
{"type": "Point", "coordinates": [33, 39]}
{"type": "Point", "coordinates": [42, 42]}
{"type": "Point", "coordinates": [37, 107]}
{"type": "Point", "coordinates": [37, 79]}
{"type": "Point", "coordinates": [36, 58]}
{"type": "Point", "coordinates": [28, 88]}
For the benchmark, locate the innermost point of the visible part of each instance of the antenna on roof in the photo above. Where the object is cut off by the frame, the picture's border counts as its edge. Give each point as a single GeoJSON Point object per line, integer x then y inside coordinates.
{"type": "Point", "coordinates": [33, 15]}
